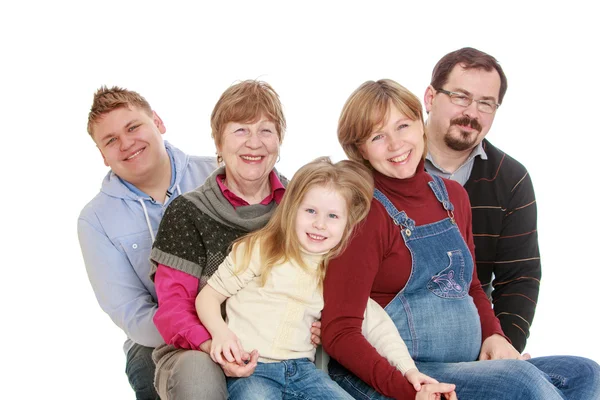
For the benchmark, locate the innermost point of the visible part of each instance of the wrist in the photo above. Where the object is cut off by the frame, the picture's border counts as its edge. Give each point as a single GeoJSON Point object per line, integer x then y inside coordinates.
{"type": "Point", "coordinates": [205, 346]}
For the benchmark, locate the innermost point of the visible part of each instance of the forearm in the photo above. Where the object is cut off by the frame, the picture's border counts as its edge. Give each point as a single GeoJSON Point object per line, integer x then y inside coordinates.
{"type": "Point", "coordinates": [208, 307]}
{"type": "Point", "coordinates": [118, 285]}
{"type": "Point", "coordinates": [380, 331]}
{"type": "Point", "coordinates": [515, 300]}
{"type": "Point", "coordinates": [176, 318]}
{"type": "Point", "coordinates": [517, 266]}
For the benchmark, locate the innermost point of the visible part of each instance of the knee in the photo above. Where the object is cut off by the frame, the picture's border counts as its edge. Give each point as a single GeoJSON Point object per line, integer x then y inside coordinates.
{"type": "Point", "coordinates": [587, 372]}
{"type": "Point", "coordinates": [140, 372]}
{"type": "Point", "coordinates": [191, 375]}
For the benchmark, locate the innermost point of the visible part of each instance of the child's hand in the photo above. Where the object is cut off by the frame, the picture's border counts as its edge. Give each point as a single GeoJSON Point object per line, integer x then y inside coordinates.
{"type": "Point", "coordinates": [435, 391]}
{"type": "Point", "coordinates": [226, 347]}
{"type": "Point", "coordinates": [417, 379]}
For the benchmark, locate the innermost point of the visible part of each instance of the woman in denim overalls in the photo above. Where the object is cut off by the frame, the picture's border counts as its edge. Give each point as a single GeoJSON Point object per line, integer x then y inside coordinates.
{"type": "Point", "coordinates": [414, 254]}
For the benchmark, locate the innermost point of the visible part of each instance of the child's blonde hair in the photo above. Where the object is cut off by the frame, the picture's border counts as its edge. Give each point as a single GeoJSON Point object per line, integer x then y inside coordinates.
{"type": "Point", "coordinates": [278, 240]}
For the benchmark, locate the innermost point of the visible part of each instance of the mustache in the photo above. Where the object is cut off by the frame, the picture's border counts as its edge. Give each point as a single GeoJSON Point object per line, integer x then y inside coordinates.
{"type": "Point", "coordinates": [466, 121]}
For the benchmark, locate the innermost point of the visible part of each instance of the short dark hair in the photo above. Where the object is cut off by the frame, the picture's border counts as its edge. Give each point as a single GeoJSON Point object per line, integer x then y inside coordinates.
{"type": "Point", "coordinates": [468, 58]}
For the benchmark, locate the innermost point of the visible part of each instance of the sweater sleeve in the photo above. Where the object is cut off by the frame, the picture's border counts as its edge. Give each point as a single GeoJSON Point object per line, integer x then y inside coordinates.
{"type": "Point", "coordinates": [179, 255]}
{"type": "Point", "coordinates": [227, 280]}
{"type": "Point", "coordinates": [117, 285]}
{"type": "Point", "coordinates": [517, 268]}
{"type": "Point", "coordinates": [381, 332]}
{"type": "Point", "coordinates": [489, 323]}
{"type": "Point", "coordinates": [176, 318]}
{"type": "Point", "coordinates": [347, 288]}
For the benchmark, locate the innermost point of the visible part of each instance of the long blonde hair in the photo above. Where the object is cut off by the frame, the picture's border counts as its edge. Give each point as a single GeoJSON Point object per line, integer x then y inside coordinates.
{"type": "Point", "coordinates": [278, 240]}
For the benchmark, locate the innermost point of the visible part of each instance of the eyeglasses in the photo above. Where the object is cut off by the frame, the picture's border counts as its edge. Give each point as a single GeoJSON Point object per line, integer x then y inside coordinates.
{"type": "Point", "coordinates": [461, 99]}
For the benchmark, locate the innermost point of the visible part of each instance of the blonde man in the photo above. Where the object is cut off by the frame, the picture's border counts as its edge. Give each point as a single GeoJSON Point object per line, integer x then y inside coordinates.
{"type": "Point", "coordinates": [118, 226]}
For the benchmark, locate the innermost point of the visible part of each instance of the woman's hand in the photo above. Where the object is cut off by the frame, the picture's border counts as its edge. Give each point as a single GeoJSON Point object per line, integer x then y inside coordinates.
{"type": "Point", "coordinates": [417, 379]}
{"type": "Point", "coordinates": [315, 333]}
{"type": "Point", "coordinates": [435, 391]}
{"type": "Point", "coordinates": [234, 370]}
{"type": "Point", "coordinates": [497, 347]}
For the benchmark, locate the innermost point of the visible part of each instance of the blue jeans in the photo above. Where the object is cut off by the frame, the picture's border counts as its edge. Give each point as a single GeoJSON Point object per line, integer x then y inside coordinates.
{"type": "Point", "coordinates": [140, 372]}
{"type": "Point", "coordinates": [290, 379]}
{"type": "Point", "coordinates": [549, 378]}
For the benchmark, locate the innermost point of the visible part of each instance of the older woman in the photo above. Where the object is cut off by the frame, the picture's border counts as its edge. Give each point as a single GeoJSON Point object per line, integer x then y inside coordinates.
{"type": "Point", "coordinates": [414, 255]}
{"type": "Point", "coordinates": [198, 228]}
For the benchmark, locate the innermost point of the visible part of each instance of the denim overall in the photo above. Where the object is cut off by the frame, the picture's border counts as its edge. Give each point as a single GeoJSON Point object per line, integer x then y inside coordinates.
{"type": "Point", "coordinates": [440, 325]}
{"type": "Point", "coordinates": [434, 313]}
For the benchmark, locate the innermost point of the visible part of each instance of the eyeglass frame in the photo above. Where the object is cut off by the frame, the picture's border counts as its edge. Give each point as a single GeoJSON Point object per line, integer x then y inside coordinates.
{"type": "Point", "coordinates": [452, 95]}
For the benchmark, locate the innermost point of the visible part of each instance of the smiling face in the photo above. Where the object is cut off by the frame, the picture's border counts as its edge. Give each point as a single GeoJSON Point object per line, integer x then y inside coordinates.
{"type": "Point", "coordinates": [131, 143]}
{"type": "Point", "coordinates": [249, 151]}
{"type": "Point", "coordinates": [321, 219]}
{"type": "Point", "coordinates": [396, 147]}
{"type": "Point", "coordinates": [461, 128]}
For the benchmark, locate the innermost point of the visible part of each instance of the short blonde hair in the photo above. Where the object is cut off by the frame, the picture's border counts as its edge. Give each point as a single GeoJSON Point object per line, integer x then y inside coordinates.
{"type": "Point", "coordinates": [278, 239]}
{"type": "Point", "coordinates": [367, 109]}
{"type": "Point", "coordinates": [246, 102]}
{"type": "Point", "coordinates": [109, 99]}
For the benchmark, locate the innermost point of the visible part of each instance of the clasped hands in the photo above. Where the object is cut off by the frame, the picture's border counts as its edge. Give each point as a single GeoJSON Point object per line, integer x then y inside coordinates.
{"type": "Point", "coordinates": [226, 350]}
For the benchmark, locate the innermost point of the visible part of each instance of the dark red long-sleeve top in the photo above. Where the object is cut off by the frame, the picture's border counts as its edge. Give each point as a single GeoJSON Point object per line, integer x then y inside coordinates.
{"type": "Point", "coordinates": [377, 264]}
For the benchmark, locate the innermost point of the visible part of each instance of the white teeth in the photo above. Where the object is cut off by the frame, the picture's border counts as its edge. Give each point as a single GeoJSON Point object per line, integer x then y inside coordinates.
{"type": "Point", "coordinates": [134, 154]}
{"type": "Point", "coordinates": [250, 158]}
{"type": "Point", "coordinates": [400, 158]}
{"type": "Point", "coordinates": [315, 237]}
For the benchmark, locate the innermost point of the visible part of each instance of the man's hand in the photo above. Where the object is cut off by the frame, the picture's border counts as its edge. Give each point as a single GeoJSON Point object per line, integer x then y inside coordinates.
{"type": "Point", "coordinates": [315, 333]}
{"type": "Point", "coordinates": [497, 347]}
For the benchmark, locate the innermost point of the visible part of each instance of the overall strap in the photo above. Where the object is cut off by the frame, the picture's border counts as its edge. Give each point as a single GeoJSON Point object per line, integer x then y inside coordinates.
{"type": "Point", "coordinates": [399, 217]}
{"type": "Point", "coordinates": [441, 193]}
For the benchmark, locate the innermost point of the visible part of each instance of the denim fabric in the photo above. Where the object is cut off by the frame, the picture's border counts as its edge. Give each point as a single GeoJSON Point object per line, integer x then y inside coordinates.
{"type": "Point", "coordinates": [555, 377]}
{"type": "Point", "coordinates": [434, 313]}
{"type": "Point", "coordinates": [430, 301]}
{"type": "Point", "coordinates": [290, 379]}
{"type": "Point", "coordinates": [140, 372]}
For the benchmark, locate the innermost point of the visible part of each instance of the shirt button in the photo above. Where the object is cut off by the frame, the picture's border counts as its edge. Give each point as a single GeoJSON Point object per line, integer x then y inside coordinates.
{"type": "Point", "coordinates": [134, 245]}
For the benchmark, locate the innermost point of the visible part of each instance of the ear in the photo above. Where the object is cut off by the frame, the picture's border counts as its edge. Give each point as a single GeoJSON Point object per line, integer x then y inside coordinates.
{"type": "Point", "coordinates": [363, 152]}
{"type": "Point", "coordinates": [103, 158]}
{"type": "Point", "coordinates": [428, 98]}
{"type": "Point", "coordinates": [159, 123]}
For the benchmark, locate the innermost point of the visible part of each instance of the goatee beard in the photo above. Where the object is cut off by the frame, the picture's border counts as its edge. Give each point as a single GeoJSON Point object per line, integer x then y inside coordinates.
{"type": "Point", "coordinates": [464, 142]}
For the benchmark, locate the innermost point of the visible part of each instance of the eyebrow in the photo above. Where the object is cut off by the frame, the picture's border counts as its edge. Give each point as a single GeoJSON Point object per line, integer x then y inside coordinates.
{"type": "Point", "coordinates": [471, 94]}
{"type": "Point", "coordinates": [133, 121]}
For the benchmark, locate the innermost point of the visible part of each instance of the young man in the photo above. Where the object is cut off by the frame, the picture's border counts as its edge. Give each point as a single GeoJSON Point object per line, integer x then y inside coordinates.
{"type": "Point", "coordinates": [117, 227]}
{"type": "Point", "coordinates": [467, 87]}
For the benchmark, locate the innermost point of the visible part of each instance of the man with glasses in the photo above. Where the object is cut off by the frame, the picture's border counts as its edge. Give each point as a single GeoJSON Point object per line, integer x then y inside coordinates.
{"type": "Point", "coordinates": [467, 87]}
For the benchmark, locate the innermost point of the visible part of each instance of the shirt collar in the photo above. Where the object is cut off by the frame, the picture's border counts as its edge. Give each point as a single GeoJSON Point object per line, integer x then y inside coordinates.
{"type": "Point", "coordinates": [477, 151]}
{"type": "Point", "coordinates": [277, 191]}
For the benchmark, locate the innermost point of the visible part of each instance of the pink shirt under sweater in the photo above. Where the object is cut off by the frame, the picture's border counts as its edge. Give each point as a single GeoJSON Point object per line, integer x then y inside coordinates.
{"type": "Point", "coordinates": [176, 318]}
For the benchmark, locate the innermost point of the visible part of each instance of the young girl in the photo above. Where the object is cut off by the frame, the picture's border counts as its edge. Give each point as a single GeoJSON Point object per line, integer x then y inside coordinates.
{"type": "Point", "coordinates": [273, 282]}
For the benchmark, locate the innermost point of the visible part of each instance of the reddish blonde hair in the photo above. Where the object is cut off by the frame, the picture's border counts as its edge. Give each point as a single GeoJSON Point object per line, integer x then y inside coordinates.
{"type": "Point", "coordinates": [366, 110]}
{"type": "Point", "coordinates": [245, 102]}
{"type": "Point", "coordinates": [109, 99]}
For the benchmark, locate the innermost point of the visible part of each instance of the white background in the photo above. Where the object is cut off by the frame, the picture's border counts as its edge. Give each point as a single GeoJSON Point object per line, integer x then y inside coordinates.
{"type": "Point", "coordinates": [181, 57]}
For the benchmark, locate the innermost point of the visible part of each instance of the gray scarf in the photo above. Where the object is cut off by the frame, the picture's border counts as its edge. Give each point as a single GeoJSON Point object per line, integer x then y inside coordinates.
{"type": "Point", "coordinates": [210, 200]}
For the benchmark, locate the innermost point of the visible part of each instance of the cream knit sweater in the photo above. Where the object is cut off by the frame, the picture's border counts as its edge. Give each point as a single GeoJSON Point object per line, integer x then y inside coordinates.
{"type": "Point", "coordinates": [276, 318]}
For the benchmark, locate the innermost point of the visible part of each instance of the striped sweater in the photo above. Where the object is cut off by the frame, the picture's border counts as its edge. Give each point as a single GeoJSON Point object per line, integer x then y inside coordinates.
{"type": "Point", "coordinates": [506, 240]}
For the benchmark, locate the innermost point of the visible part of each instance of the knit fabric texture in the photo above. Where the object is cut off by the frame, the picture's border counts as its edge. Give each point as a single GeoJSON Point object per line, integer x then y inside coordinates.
{"type": "Point", "coordinates": [506, 241]}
